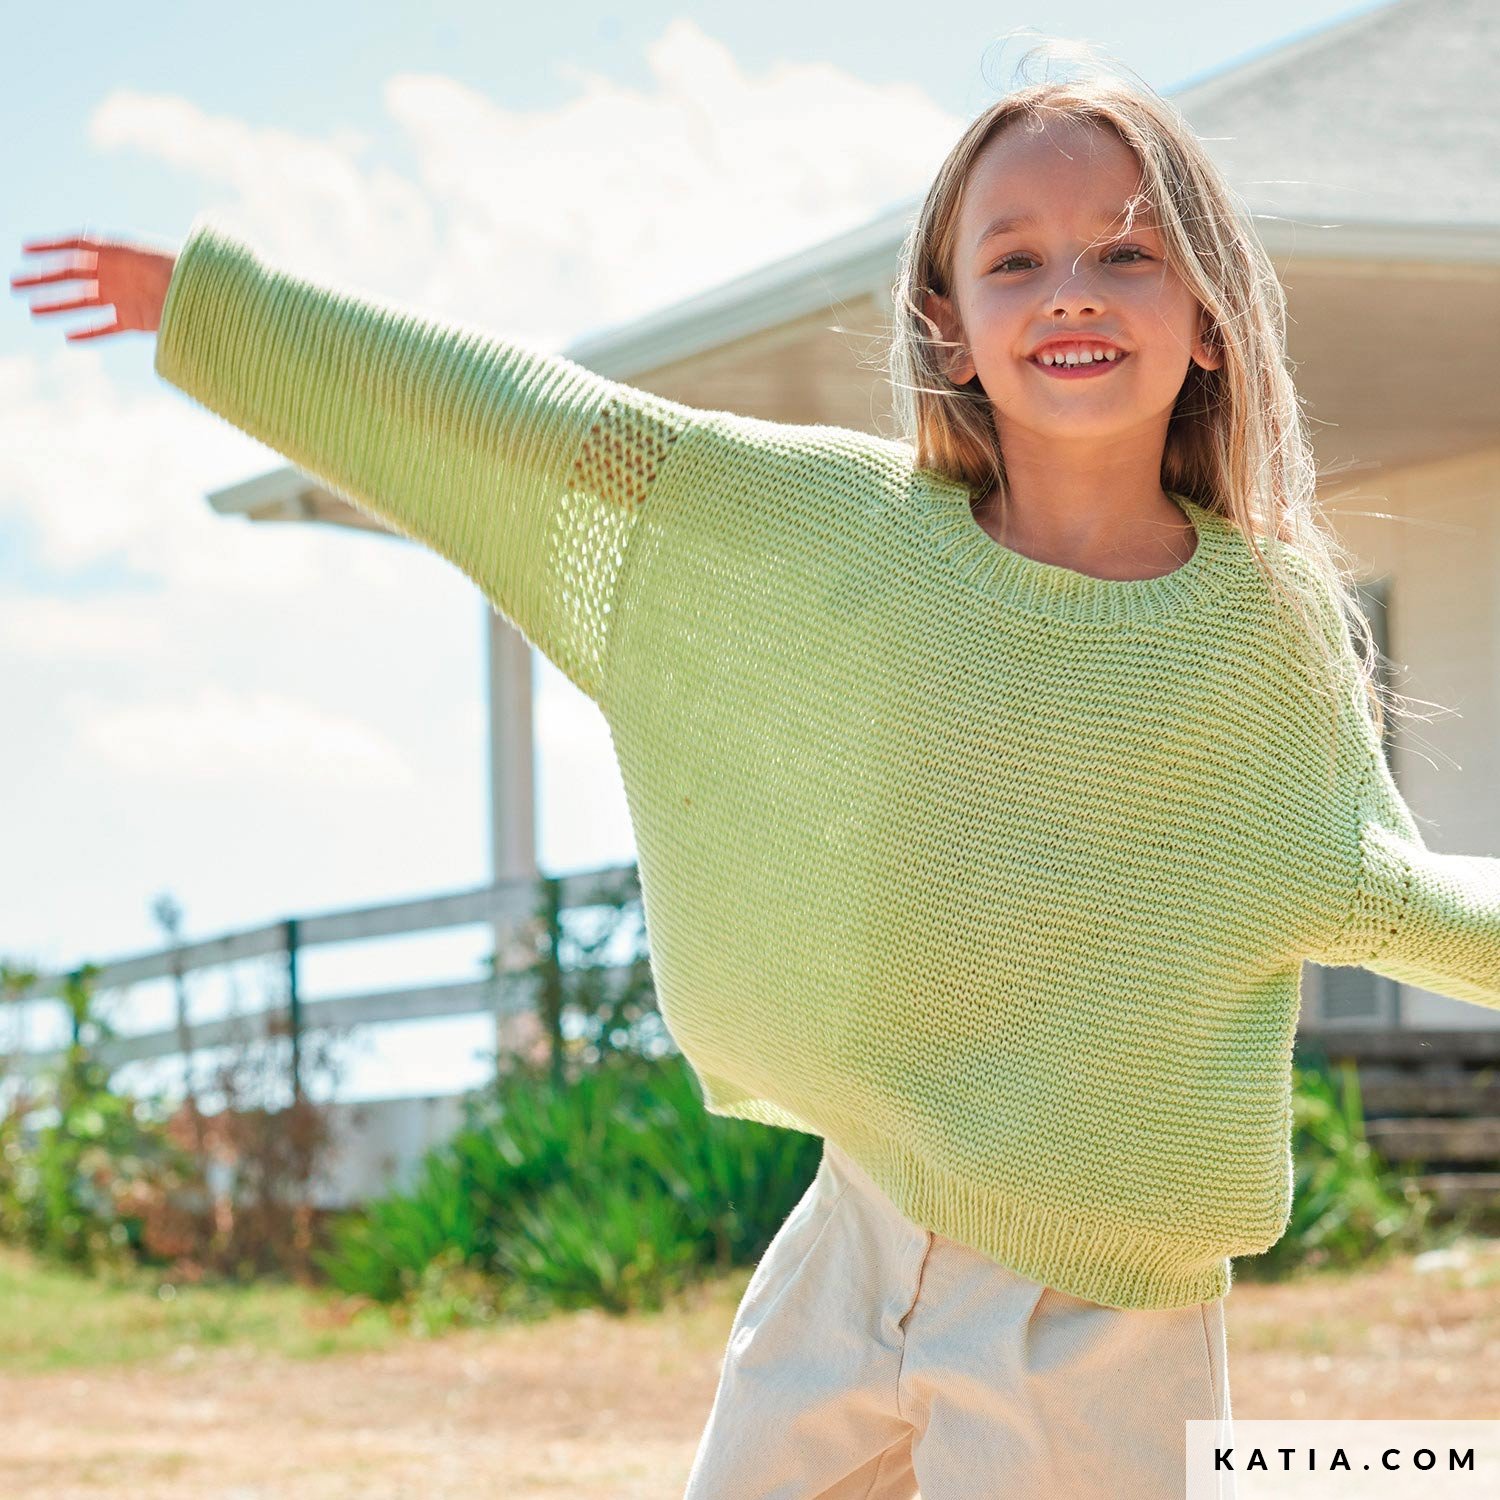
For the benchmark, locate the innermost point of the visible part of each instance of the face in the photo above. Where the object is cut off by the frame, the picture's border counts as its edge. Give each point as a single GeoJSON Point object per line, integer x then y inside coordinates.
{"type": "Point", "coordinates": [1070, 271]}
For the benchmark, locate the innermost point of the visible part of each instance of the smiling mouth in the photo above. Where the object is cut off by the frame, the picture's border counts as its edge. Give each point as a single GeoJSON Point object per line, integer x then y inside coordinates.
{"type": "Point", "coordinates": [1092, 370]}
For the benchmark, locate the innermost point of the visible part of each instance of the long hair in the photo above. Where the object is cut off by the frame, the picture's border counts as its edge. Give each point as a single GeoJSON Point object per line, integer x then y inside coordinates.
{"type": "Point", "coordinates": [1237, 443]}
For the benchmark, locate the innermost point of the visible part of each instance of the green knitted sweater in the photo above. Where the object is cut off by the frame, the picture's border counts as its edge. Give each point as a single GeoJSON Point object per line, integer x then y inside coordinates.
{"type": "Point", "coordinates": [998, 874]}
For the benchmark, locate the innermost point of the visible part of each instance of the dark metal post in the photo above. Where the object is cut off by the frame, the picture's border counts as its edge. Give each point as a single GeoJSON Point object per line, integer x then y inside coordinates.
{"type": "Point", "coordinates": [294, 1008]}
{"type": "Point", "coordinates": [74, 1006]}
{"type": "Point", "coordinates": [552, 984]}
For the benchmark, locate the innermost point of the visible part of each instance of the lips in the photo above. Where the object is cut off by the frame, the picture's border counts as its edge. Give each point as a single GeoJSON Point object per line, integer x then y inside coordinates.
{"type": "Point", "coordinates": [1094, 370]}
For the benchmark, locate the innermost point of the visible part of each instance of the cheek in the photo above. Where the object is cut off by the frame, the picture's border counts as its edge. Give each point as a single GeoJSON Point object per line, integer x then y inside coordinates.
{"type": "Point", "coordinates": [997, 307]}
{"type": "Point", "coordinates": [1168, 315]}
{"type": "Point", "coordinates": [1003, 323]}
{"type": "Point", "coordinates": [1163, 365]}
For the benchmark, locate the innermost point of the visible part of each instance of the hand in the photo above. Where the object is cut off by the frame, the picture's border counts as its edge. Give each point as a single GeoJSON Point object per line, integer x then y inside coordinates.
{"type": "Point", "coordinates": [130, 278]}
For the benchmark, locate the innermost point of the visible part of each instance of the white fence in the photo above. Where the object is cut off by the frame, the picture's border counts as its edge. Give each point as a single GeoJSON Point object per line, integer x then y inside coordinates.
{"type": "Point", "coordinates": [377, 1141]}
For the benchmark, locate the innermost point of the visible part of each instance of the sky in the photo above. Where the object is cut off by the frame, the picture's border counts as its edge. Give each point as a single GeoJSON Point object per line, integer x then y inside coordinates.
{"type": "Point", "coordinates": [267, 721]}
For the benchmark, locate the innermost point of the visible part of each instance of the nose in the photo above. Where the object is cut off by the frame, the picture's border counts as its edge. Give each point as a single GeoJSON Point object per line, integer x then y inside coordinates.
{"type": "Point", "coordinates": [1076, 293]}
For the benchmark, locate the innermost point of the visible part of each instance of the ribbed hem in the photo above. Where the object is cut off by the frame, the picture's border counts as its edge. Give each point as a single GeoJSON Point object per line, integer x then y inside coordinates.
{"type": "Point", "coordinates": [1098, 1259]}
{"type": "Point", "coordinates": [205, 249]}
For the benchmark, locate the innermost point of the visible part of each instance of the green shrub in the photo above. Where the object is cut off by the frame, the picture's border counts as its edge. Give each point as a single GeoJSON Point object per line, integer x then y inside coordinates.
{"type": "Point", "coordinates": [1349, 1207]}
{"type": "Point", "coordinates": [610, 1192]}
{"type": "Point", "coordinates": [73, 1189]}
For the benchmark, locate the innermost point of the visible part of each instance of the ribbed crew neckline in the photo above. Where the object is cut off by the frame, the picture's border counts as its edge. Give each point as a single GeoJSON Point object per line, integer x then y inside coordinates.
{"type": "Point", "coordinates": [1016, 581]}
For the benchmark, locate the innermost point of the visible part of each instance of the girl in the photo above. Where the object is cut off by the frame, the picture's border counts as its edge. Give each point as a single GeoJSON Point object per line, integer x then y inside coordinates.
{"type": "Point", "coordinates": [991, 783]}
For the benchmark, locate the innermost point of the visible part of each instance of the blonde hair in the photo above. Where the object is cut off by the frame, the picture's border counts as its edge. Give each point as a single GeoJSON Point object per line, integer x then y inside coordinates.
{"type": "Point", "coordinates": [1236, 442]}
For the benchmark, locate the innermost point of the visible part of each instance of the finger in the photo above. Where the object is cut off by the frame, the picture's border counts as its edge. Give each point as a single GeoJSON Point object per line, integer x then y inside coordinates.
{"type": "Point", "coordinates": [73, 242]}
{"type": "Point", "coordinates": [52, 307]}
{"type": "Point", "coordinates": [68, 273]}
{"type": "Point", "coordinates": [93, 333]}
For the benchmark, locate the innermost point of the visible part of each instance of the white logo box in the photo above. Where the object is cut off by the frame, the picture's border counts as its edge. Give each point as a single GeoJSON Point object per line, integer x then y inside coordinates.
{"type": "Point", "coordinates": [1368, 1458]}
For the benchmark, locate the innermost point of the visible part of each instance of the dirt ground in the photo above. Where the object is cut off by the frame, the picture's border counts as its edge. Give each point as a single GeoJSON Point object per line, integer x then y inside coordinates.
{"type": "Point", "coordinates": [585, 1407]}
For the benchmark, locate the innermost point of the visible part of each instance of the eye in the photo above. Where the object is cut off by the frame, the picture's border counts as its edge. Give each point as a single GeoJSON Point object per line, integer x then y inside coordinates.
{"type": "Point", "coordinates": [1118, 250]}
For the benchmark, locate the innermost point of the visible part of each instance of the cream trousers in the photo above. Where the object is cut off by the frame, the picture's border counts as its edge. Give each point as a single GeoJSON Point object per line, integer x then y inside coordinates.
{"type": "Point", "coordinates": [872, 1359]}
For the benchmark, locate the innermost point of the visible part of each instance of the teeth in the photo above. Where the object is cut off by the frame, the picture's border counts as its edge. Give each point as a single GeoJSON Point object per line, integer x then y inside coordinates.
{"type": "Point", "coordinates": [1087, 357]}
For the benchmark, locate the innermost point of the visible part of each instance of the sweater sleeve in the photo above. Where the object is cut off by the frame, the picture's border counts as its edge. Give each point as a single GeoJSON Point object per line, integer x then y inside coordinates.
{"type": "Point", "coordinates": [1417, 916]}
{"type": "Point", "coordinates": [524, 469]}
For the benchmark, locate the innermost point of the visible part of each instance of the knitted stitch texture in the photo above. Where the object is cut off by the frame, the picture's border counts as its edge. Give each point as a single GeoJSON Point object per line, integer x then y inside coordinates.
{"type": "Point", "coordinates": [998, 874]}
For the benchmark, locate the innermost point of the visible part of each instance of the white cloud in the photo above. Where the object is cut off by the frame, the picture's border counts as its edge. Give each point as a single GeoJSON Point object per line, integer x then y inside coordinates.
{"type": "Point", "coordinates": [552, 222]}
{"type": "Point", "coordinates": [55, 629]}
{"type": "Point", "coordinates": [621, 201]}
{"type": "Point", "coordinates": [101, 474]}
{"type": "Point", "coordinates": [235, 738]}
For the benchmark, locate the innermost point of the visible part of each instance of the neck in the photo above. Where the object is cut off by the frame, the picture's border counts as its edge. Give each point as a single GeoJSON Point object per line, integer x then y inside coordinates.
{"type": "Point", "coordinates": [1117, 535]}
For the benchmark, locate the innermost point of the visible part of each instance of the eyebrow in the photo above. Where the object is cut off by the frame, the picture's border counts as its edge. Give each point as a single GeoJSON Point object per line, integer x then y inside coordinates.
{"type": "Point", "coordinates": [1003, 225]}
{"type": "Point", "coordinates": [1008, 222]}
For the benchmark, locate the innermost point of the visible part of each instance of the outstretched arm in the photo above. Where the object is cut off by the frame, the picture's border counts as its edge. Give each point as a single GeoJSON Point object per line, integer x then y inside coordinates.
{"type": "Point", "coordinates": [1446, 934]}
{"type": "Point", "coordinates": [1424, 918]}
{"type": "Point", "coordinates": [523, 468]}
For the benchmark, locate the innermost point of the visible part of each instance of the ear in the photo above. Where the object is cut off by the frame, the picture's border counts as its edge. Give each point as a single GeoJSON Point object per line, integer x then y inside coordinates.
{"type": "Point", "coordinates": [1205, 354]}
{"type": "Point", "coordinates": [957, 363]}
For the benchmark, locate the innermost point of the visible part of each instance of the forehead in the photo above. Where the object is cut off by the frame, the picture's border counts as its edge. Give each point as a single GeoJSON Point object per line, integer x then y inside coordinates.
{"type": "Point", "coordinates": [1068, 169]}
